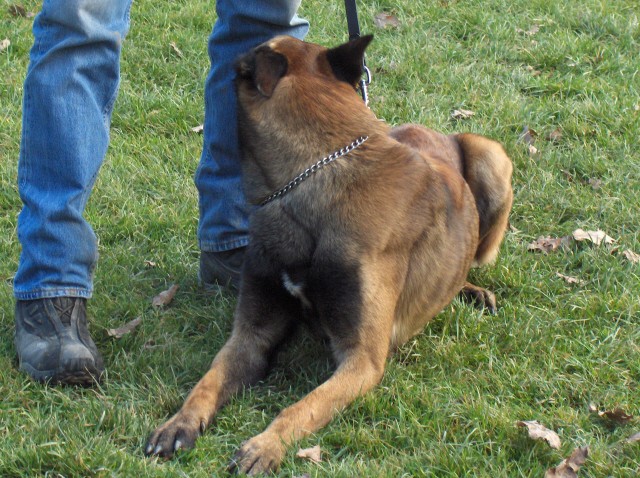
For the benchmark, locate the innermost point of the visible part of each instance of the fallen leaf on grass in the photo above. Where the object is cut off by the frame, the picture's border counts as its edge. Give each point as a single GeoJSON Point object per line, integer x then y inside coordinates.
{"type": "Point", "coordinates": [569, 466]}
{"type": "Point", "coordinates": [164, 298]}
{"type": "Point", "coordinates": [149, 263]}
{"type": "Point", "coordinates": [597, 237]}
{"type": "Point", "coordinates": [125, 329]}
{"type": "Point", "coordinates": [198, 129]}
{"type": "Point", "coordinates": [533, 71]}
{"type": "Point", "coordinates": [569, 279]}
{"type": "Point", "coordinates": [149, 344]}
{"type": "Point", "coordinates": [528, 137]}
{"type": "Point", "coordinates": [547, 244]}
{"type": "Point", "coordinates": [595, 183]}
{"type": "Point", "coordinates": [634, 438]}
{"type": "Point", "coordinates": [555, 135]}
{"type": "Point", "coordinates": [537, 431]}
{"type": "Point", "coordinates": [617, 415]}
{"type": "Point", "coordinates": [631, 256]}
{"type": "Point", "coordinates": [314, 454]}
{"type": "Point", "coordinates": [384, 20]}
{"type": "Point", "coordinates": [4, 44]}
{"type": "Point", "coordinates": [531, 31]}
{"type": "Point", "coordinates": [462, 114]}
{"type": "Point", "coordinates": [17, 11]}
{"type": "Point", "coordinates": [175, 48]}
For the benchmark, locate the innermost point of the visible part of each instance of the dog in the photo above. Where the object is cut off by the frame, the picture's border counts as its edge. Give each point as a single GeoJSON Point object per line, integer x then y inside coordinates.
{"type": "Point", "coordinates": [361, 231]}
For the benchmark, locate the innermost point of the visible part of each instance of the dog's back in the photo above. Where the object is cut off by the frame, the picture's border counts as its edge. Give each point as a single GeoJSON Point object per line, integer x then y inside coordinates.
{"type": "Point", "coordinates": [485, 167]}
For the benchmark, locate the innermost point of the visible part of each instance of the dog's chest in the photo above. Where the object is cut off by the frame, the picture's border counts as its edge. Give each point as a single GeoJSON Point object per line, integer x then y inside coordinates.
{"type": "Point", "coordinates": [296, 289]}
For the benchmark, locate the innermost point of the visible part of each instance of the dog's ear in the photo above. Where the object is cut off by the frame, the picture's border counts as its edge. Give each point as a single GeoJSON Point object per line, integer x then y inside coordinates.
{"type": "Point", "coordinates": [347, 60]}
{"type": "Point", "coordinates": [264, 67]}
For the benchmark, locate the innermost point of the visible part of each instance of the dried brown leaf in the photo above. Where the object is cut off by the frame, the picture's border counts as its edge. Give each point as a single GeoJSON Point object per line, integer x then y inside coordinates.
{"type": "Point", "coordinates": [568, 175]}
{"type": "Point", "coordinates": [125, 329]}
{"type": "Point", "coordinates": [595, 183]}
{"type": "Point", "coordinates": [569, 279]}
{"type": "Point", "coordinates": [617, 415]}
{"type": "Point", "coordinates": [631, 256]}
{"type": "Point", "coordinates": [149, 344]}
{"type": "Point", "coordinates": [164, 298]}
{"type": "Point", "coordinates": [384, 20]}
{"type": "Point", "coordinates": [314, 454]}
{"type": "Point", "coordinates": [596, 237]}
{"type": "Point", "coordinates": [17, 11]}
{"type": "Point", "coordinates": [533, 71]}
{"type": "Point", "coordinates": [462, 114]}
{"type": "Point", "coordinates": [569, 467]}
{"type": "Point", "coordinates": [634, 438]}
{"type": "Point", "coordinates": [547, 244]}
{"type": "Point", "coordinates": [198, 129]}
{"type": "Point", "coordinates": [176, 50]}
{"type": "Point", "coordinates": [537, 431]}
{"type": "Point", "coordinates": [555, 136]}
{"type": "Point", "coordinates": [528, 135]}
{"type": "Point", "coordinates": [531, 31]}
{"type": "Point", "coordinates": [4, 44]}
{"type": "Point", "coordinates": [149, 263]}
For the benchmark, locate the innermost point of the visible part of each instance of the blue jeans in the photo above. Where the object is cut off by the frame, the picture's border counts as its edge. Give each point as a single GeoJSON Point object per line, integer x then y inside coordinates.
{"type": "Point", "coordinates": [69, 92]}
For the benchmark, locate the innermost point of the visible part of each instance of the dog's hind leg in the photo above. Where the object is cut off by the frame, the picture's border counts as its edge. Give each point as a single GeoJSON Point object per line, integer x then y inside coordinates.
{"type": "Point", "coordinates": [487, 169]}
{"type": "Point", "coordinates": [264, 318]}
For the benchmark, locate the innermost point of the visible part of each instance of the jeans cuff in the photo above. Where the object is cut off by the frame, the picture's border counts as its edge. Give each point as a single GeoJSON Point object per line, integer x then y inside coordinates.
{"type": "Point", "coordinates": [216, 246]}
{"type": "Point", "coordinates": [52, 293]}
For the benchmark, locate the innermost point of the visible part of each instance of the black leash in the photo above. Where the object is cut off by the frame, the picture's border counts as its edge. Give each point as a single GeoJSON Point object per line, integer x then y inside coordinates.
{"type": "Point", "coordinates": [354, 32]}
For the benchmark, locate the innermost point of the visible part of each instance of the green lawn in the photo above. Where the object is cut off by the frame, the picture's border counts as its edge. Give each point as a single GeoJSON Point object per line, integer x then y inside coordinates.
{"type": "Point", "coordinates": [450, 399]}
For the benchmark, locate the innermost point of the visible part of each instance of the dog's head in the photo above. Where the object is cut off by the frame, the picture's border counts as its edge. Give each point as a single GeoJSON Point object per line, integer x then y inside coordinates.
{"type": "Point", "coordinates": [297, 101]}
{"type": "Point", "coordinates": [285, 60]}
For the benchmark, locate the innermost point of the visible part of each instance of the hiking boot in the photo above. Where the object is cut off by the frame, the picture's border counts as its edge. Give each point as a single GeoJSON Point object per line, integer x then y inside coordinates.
{"type": "Point", "coordinates": [221, 270]}
{"type": "Point", "coordinates": [53, 342]}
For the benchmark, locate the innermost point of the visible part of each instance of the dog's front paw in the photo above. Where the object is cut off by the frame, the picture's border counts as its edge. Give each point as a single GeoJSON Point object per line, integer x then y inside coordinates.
{"type": "Point", "coordinates": [180, 432]}
{"type": "Point", "coordinates": [261, 454]}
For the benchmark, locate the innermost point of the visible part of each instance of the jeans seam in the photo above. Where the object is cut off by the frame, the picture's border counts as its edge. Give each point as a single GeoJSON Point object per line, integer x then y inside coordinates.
{"type": "Point", "coordinates": [210, 246]}
{"type": "Point", "coordinates": [54, 292]}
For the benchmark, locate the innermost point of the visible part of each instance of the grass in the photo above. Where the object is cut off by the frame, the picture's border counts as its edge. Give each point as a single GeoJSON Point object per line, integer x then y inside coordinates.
{"type": "Point", "coordinates": [449, 401]}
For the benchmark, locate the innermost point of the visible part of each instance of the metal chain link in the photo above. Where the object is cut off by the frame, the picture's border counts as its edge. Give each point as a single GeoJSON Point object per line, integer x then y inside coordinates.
{"type": "Point", "coordinates": [315, 167]}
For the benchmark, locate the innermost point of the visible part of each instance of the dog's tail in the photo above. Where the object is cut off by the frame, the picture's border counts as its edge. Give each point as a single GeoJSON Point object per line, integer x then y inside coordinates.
{"type": "Point", "coordinates": [487, 169]}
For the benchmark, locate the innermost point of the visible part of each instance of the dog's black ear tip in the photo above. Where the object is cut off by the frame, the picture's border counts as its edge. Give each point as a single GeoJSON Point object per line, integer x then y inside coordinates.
{"type": "Point", "coordinates": [368, 38]}
{"type": "Point", "coordinates": [347, 59]}
{"type": "Point", "coordinates": [242, 66]}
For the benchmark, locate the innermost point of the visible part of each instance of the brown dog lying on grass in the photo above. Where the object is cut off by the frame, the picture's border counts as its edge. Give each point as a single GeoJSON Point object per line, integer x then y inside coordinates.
{"type": "Point", "coordinates": [365, 246]}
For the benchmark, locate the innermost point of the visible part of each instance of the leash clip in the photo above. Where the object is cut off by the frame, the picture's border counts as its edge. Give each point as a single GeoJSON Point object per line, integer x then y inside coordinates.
{"type": "Point", "coordinates": [364, 84]}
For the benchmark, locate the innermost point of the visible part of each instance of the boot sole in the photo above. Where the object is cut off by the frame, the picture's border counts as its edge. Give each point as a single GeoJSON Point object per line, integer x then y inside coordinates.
{"type": "Point", "coordinates": [86, 377]}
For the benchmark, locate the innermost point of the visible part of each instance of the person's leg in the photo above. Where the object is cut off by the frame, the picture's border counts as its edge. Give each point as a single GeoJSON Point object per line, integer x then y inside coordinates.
{"type": "Point", "coordinates": [223, 227]}
{"type": "Point", "coordinates": [69, 90]}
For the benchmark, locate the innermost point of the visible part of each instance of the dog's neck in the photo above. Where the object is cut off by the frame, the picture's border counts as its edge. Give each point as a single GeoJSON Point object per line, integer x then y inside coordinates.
{"type": "Point", "coordinates": [282, 138]}
{"type": "Point", "coordinates": [315, 167]}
